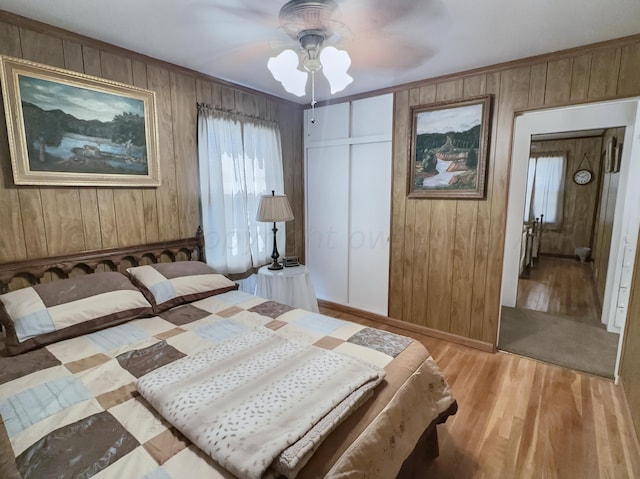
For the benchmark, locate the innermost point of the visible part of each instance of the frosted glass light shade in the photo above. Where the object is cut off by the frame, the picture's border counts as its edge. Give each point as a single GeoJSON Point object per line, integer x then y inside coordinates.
{"type": "Point", "coordinates": [335, 64]}
{"type": "Point", "coordinates": [274, 208]}
{"type": "Point", "coordinates": [284, 68]}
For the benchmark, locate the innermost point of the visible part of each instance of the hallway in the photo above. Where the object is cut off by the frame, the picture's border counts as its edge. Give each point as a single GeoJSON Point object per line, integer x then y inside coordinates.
{"type": "Point", "coordinates": [557, 319]}
{"type": "Point", "coordinates": [560, 286]}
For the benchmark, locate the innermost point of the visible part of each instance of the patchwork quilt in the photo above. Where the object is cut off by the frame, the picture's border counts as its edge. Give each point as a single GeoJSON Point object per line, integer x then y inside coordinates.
{"type": "Point", "coordinates": [71, 409]}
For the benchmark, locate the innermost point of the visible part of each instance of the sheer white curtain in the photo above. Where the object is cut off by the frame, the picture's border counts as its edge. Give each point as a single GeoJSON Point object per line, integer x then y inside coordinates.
{"type": "Point", "coordinates": [545, 188]}
{"type": "Point", "coordinates": [240, 159]}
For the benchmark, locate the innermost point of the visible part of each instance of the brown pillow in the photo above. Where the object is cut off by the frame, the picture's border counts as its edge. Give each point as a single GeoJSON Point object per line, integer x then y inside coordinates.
{"type": "Point", "coordinates": [166, 285]}
{"type": "Point", "coordinates": [46, 313]}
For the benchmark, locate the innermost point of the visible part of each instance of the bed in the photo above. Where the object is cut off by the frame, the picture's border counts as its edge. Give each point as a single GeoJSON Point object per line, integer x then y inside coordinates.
{"type": "Point", "coordinates": [530, 246]}
{"type": "Point", "coordinates": [92, 360]}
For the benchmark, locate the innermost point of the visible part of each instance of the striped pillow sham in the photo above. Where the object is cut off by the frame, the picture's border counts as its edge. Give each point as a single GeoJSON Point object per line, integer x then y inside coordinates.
{"type": "Point", "coordinates": [49, 312]}
{"type": "Point", "coordinates": [167, 285]}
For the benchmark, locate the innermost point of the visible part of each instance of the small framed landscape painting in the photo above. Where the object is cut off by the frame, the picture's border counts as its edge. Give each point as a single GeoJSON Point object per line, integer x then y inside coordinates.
{"type": "Point", "coordinates": [71, 129]}
{"type": "Point", "coordinates": [448, 149]}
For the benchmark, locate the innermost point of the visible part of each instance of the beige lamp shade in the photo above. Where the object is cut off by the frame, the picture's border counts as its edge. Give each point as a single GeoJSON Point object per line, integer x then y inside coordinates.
{"type": "Point", "coordinates": [274, 208]}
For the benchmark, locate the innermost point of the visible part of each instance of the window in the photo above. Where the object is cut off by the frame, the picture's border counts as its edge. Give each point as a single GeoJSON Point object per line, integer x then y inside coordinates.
{"type": "Point", "coordinates": [240, 160]}
{"type": "Point", "coordinates": [545, 188]}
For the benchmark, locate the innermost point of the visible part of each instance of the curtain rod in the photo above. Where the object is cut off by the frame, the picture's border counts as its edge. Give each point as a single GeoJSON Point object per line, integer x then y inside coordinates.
{"type": "Point", "coordinates": [206, 108]}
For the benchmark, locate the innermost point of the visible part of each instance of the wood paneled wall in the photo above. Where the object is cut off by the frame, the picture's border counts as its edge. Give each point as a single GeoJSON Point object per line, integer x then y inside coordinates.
{"type": "Point", "coordinates": [579, 201]}
{"type": "Point", "coordinates": [446, 255]}
{"type": "Point", "coordinates": [42, 221]}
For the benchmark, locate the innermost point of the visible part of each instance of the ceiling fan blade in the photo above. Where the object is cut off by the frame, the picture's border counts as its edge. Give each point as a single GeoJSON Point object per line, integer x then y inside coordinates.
{"type": "Point", "coordinates": [250, 10]}
{"type": "Point", "coordinates": [239, 24]}
{"type": "Point", "coordinates": [254, 52]}
{"type": "Point", "coordinates": [390, 55]}
{"type": "Point", "coordinates": [372, 15]}
{"type": "Point", "coordinates": [388, 35]}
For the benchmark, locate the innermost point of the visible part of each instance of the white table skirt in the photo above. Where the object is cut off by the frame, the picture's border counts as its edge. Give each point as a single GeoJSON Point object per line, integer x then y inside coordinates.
{"type": "Point", "coordinates": [290, 286]}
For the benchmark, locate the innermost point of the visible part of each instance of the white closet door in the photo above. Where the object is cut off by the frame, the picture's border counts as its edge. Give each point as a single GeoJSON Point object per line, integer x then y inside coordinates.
{"type": "Point", "coordinates": [328, 221]}
{"type": "Point", "coordinates": [370, 204]}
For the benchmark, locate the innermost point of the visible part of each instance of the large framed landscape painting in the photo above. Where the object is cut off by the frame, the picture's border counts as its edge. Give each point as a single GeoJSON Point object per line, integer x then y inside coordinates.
{"type": "Point", "coordinates": [70, 129]}
{"type": "Point", "coordinates": [448, 149]}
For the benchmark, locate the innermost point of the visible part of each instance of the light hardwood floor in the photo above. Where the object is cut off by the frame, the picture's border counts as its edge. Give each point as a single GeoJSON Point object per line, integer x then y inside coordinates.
{"type": "Point", "coordinates": [520, 418]}
{"type": "Point", "coordinates": [560, 286]}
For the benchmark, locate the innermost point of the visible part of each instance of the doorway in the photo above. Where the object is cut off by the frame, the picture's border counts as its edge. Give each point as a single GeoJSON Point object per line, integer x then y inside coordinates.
{"type": "Point", "coordinates": [557, 319]}
{"type": "Point", "coordinates": [567, 213]}
{"type": "Point", "coordinates": [626, 218]}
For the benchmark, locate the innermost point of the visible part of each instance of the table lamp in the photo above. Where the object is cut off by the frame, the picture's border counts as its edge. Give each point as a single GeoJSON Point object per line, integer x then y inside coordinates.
{"type": "Point", "coordinates": [274, 208]}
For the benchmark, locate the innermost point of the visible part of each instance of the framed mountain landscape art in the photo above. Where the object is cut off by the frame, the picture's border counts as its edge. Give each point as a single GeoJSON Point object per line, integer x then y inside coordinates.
{"type": "Point", "coordinates": [71, 129]}
{"type": "Point", "coordinates": [448, 149]}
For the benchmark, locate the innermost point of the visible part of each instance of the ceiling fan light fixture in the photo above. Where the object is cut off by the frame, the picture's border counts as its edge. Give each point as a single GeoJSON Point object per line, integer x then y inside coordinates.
{"type": "Point", "coordinates": [312, 23]}
{"type": "Point", "coordinates": [299, 15]}
{"type": "Point", "coordinates": [311, 43]}
{"type": "Point", "coordinates": [335, 64]}
{"type": "Point", "coordinates": [284, 69]}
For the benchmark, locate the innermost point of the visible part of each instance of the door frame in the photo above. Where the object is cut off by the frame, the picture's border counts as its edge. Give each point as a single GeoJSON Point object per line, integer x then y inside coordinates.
{"type": "Point", "coordinates": [609, 114]}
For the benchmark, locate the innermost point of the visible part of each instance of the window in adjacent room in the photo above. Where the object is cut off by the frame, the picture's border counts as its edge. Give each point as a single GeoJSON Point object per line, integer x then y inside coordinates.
{"type": "Point", "coordinates": [545, 188]}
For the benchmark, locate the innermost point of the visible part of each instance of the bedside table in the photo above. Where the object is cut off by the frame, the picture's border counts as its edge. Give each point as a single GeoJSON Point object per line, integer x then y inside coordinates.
{"type": "Point", "coordinates": [291, 286]}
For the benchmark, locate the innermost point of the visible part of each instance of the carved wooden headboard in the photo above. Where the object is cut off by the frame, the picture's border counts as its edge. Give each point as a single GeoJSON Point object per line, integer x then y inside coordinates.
{"type": "Point", "coordinates": [19, 274]}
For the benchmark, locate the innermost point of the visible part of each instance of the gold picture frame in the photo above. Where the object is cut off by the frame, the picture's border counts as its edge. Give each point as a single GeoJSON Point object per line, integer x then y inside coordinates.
{"type": "Point", "coordinates": [448, 149]}
{"type": "Point", "coordinates": [70, 129]}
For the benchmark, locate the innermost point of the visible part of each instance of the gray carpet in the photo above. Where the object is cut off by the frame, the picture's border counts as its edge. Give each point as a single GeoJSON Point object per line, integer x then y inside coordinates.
{"type": "Point", "coordinates": [558, 340]}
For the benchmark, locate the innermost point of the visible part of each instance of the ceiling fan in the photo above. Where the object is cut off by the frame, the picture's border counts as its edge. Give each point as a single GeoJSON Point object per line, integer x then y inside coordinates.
{"type": "Point", "coordinates": [378, 37]}
{"type": "Point", "coordinates": [315, 25]}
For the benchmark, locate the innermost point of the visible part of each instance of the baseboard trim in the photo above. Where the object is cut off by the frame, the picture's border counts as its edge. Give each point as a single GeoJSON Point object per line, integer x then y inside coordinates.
{"type": "Point", "coordinates": [561, 256]}
{"type": "Point", "coordinates": [415, 328]}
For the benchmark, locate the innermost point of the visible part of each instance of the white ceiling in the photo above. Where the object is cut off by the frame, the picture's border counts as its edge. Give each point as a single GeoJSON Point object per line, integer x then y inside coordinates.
{"type": "Point", "coordinates": [392, 41]}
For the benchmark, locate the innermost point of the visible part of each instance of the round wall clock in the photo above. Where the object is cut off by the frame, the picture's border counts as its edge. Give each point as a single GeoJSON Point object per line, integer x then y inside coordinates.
{"type": "Point", "coordinates": [582, 177]}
